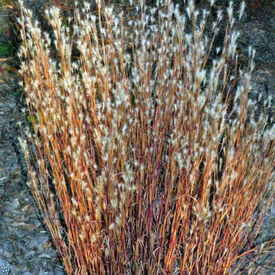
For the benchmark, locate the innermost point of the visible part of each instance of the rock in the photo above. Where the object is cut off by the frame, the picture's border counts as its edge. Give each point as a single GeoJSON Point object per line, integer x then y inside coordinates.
{"type": "Point", "coordinates": [4, 268]}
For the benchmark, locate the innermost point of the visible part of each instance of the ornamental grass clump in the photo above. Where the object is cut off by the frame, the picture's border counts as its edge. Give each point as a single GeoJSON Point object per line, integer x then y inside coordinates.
{"type": "Point", "coordinates": [145, 155]}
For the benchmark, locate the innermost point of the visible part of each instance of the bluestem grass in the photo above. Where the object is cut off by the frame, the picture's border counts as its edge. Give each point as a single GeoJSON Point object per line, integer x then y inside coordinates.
{"type": "Point", "coordinates": [145, 156]}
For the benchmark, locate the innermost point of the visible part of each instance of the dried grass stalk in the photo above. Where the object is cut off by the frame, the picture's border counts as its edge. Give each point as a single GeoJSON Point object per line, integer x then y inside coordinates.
{"type": "Point", "coordinates": [149, 157]}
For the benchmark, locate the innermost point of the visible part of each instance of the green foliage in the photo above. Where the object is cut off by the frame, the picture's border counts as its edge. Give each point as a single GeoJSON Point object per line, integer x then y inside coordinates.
{"type": "Point", "coordinates": [6, 49]}
{"type": "Point", "coordinates": [17, 94]}
{"type": "Point", "coordinates": [32, 119]}
{"type": "Point", "coordinates": [3, 3]}
{"type": "Point", "coordinates": [7, 2]}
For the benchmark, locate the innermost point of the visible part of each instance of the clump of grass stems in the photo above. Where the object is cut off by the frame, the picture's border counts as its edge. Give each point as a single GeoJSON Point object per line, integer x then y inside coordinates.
{"type": "Point", "coordinates": [145, 156]}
